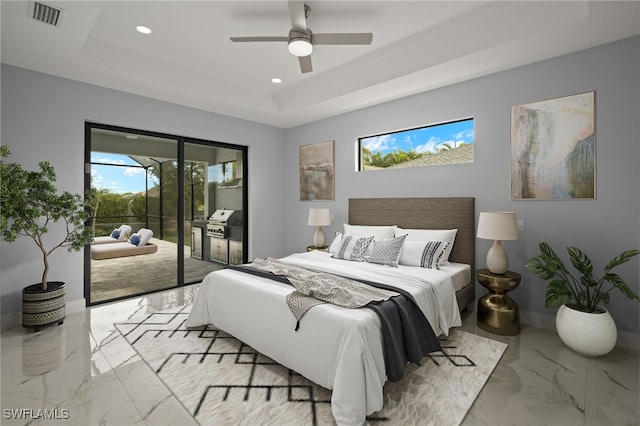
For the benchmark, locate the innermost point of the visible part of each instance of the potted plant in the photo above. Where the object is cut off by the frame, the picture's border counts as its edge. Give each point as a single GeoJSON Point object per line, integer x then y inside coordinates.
{"type": "Point", "coordinates": [583, 323]}
{"type": "Point", "coordinates": [30, 206]}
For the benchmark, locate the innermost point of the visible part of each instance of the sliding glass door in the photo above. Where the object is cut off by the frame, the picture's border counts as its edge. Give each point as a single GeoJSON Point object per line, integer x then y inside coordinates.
{"type": "Point", "coordinates": [168, 185]}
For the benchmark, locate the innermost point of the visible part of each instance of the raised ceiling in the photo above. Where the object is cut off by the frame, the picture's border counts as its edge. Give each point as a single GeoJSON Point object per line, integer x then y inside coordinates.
{"type": "Point", "coordinates": [188, 58]}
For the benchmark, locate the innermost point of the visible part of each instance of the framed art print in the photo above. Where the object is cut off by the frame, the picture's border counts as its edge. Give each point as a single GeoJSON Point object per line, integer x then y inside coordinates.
{"type": "Point", "coordinates": [317, 172]}
{"type": "Point", "coordinates": [553, 149]}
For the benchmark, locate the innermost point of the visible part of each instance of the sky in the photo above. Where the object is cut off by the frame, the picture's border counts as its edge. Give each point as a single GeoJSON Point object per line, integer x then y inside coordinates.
{"type": "Point", "coordinates": [123, 179]}
{"type": "Point", "coordinates": [426, 139]}
{"type": "Point", "coordinates": [118, 180]}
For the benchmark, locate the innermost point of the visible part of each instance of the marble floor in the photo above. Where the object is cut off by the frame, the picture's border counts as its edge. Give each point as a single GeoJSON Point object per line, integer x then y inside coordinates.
{"type": "Point", "coordinates": [84, 373]}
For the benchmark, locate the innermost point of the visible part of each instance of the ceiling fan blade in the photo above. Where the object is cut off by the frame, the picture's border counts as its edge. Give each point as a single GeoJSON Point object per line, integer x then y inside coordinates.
{"type": "Point", "coordinates": [298, 15]}
{"type": "Point", "coordinates": [305, 64]}
{"type": "Point", "coordinates": [342, 38]}
{"type": "Point", "coordinates": [258, 38]}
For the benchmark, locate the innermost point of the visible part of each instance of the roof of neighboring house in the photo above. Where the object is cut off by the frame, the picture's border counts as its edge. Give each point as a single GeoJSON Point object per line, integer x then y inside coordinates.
{"type": "Point", "coordinates": [463, 154]}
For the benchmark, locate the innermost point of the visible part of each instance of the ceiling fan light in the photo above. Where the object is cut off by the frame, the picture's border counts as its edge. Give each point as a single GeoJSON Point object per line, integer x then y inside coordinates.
{"type": "Point", "coordinates": [300, 47]}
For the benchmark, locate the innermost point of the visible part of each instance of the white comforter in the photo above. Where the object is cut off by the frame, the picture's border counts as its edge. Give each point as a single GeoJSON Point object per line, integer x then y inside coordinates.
{"type": "Point", "coordinates": [337, 348]}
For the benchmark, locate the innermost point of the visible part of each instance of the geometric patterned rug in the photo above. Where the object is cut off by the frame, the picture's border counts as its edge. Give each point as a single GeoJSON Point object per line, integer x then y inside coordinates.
{"type": "Point", "coordinates": [222, 381]}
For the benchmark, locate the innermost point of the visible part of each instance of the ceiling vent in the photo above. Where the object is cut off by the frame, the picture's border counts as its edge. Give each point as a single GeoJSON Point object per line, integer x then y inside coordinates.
{"type": "Point", "coordinates": [44, 13]}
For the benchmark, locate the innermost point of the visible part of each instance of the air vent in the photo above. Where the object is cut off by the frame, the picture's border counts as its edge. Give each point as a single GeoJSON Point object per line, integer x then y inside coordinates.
{"type": "Point", "coordinates": [44, 13]}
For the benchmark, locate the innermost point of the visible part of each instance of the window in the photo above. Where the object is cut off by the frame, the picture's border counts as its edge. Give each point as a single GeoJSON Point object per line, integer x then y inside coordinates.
{"type": "Point", "coordinates": [222, 172]}
{"type": "Point", "coordinates": [436, 144]}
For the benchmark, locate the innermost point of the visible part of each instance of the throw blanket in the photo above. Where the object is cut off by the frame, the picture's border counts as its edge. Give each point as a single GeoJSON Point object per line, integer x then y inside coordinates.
{"type": "Point", "coordinates": [314, 287]}
{"type": "Point", "coordinates": [407, 335]}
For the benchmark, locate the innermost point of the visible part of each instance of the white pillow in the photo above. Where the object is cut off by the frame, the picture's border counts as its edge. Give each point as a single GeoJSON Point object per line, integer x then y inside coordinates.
{"type": "Point", "coordinates": [377, 232]}
{"type": "Point", "coordinates": [145, 235]}
{"type": "Point", "coordinates": [386, 252]}
{"type": "Point", "coordinates": [335, 244]}
{"type": "Point", "coordinates": [125, 230]}
{"type": "Point", "coordinates": [447, 235]}
{"type": "Point", "coordinates": [353, 248]}
{"type": "Point", "coordinates": [424, 254]}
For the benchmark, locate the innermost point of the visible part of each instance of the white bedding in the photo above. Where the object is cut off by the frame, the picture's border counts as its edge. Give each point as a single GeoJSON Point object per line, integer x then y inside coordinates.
{"type": "Point", "coordinates": [337, 348]}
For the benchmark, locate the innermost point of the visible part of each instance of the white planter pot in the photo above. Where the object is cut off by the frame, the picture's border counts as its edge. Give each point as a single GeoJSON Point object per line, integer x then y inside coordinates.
{"type": "Point", "coordinates": [589, 334]}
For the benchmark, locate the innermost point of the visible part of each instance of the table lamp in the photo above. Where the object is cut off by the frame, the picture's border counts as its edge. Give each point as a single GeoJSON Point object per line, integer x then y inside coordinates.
{"type": "Point", "coordinates": [319, 218]}
{"type": "Point", "coordinates": [497, 226]}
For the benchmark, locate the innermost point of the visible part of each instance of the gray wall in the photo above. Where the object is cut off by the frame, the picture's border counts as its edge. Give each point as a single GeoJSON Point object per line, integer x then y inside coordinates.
{"type": "Point", "coordinates": [43, 118]}
{"type": "Point", "coordinates": [603, 227]}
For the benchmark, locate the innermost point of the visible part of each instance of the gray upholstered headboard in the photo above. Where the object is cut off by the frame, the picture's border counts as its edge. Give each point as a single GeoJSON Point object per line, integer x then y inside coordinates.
{"type": "Point", "coordinates": [425, 213]}
{"type": "Point", "coordinates": [422, 213]}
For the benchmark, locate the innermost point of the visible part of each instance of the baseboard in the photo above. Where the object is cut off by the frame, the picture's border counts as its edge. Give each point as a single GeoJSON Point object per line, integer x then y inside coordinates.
{"type": "Point", "coordinates": [76, 306]}
{"type": "Point", "coordinates": [626, 339]}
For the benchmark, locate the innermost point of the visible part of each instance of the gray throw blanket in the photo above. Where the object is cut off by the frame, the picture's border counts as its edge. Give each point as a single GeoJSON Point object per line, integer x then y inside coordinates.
{"type": "Point", "coordinates": [315, 287]}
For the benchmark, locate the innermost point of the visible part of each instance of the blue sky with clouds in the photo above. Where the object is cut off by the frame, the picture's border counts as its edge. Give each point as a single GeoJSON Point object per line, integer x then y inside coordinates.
{"type": "Point", "coordinates": [118, 180]}
{"type": "Point", "coordinates": [426, 139]}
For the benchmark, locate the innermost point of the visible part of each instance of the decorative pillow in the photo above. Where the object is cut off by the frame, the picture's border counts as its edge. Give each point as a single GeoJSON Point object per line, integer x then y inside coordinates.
{"type": "Point", "coordinates": [386, 252]}
{"type": "Point", "coordinates": [145, 235]}
{"type": "Point", "coordinates": [335, 245]}
{"type": "Point", "coordinates": [134, 239]}
{"type": "Point", "coordinates": [125, 230]}
{"type": "Point", "coordinates": [115, 234]}
{"type": "Point", "coordinates": [378, 232]}
{"type": "Point", "coordinates": [353, 248]}
{"type": "Point", "coordinates": [424, 254]}
{"type": "Point", "coordinates": [446, 235]}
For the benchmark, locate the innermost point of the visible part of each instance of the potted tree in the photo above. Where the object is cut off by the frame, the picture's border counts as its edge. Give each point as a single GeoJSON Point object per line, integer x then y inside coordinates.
{"type": "Point", "coordinates": [582, 322]}
{"type": "Point", "coordinates": [31, 204]}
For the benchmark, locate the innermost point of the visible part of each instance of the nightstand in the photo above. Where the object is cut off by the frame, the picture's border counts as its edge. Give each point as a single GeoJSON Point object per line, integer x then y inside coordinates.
{"type": "Point", "coordinates": [314, 248]}
{"type": "Point", "coordinates": [497, 312]}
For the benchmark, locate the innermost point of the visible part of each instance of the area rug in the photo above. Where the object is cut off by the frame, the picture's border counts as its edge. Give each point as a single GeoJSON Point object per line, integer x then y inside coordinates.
{"type": "Point", "coordinates": [222, 381]}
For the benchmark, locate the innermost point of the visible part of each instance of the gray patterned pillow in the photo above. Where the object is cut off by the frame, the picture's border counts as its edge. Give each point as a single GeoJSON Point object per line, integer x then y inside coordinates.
{"type": "Point", "coordinates": [352, 248]}
{"type": "Point", "coordinates": [386, 252]}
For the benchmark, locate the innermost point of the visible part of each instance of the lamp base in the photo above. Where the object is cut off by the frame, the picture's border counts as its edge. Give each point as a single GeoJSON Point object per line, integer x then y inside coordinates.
{"type": "Point", "coordinates": [319, 239]}
{"type": "Point", "coordinates": [497, 258]}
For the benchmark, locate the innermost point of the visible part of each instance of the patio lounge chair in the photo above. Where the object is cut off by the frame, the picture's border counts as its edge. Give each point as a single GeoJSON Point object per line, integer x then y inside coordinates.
{"type": "Point", "coordinates": [118, 235]}
{"type": "Point", "coordinates": [138, 244]}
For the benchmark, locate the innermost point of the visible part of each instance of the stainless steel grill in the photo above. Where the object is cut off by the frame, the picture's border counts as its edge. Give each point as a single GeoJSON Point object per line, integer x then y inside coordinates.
{"type": "Point", "coordinates": [220, 221]}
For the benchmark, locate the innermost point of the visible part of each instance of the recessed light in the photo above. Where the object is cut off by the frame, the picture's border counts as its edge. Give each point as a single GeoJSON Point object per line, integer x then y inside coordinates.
{"type": "Point", "coordinates": [144, 30]}
{"type": "Point", "coordinates": [276, 80]}
{"type": "Point", "coordinates": [132, 137]}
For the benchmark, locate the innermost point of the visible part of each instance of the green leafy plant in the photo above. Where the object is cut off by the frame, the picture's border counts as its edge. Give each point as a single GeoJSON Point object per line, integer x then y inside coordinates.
{"type": "Point", "coordinates": [30, 204]}
{"type": "Point", "coordinates": [583, 293]}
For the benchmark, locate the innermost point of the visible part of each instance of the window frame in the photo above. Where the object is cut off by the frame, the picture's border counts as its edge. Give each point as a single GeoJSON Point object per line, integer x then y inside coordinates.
{"type": "Point", "coordinates": [359, 140]}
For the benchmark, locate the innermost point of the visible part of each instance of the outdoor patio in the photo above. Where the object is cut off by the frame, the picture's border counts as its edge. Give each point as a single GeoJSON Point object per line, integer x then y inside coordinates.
{"type": "Point", "coordinates": [127, 276]}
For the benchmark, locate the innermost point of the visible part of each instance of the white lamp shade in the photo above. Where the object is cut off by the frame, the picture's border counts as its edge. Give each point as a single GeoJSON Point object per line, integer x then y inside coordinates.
{"type": "Point", "coordinates": [497, 226]}
{"type": "Point", "coordinates": [319, 217]}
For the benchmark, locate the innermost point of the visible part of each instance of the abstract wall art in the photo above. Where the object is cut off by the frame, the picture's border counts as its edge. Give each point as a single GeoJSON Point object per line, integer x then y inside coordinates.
{"type": "Point", "coordinates": [317, 172]}
{"type": "Point", "coordinates": [553, 149]}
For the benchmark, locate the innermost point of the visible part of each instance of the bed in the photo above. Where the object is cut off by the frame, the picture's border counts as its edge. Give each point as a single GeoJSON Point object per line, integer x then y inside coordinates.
{"type": "Point", "coordinates": [338, 348]}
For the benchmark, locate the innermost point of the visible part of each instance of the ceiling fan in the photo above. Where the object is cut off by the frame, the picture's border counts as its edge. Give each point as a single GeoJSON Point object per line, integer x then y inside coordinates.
{"type": "Point", "coordinates": [301, 39]}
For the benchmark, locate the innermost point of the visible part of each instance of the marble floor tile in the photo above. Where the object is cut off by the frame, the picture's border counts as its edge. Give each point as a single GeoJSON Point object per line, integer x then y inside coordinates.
{"type": "Point", "coordinates": [85, 373]}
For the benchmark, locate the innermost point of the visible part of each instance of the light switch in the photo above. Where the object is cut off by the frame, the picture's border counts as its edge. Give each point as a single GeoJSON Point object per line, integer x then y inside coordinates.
{"type": "Point", "coordinates": [520, 223]}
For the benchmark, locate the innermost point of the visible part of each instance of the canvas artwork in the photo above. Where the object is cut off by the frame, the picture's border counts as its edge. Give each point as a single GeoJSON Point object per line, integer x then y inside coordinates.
{"type": "Point", "coordinates": [317, 172]}
{"type": "Point", "coordinates": [553, 149]}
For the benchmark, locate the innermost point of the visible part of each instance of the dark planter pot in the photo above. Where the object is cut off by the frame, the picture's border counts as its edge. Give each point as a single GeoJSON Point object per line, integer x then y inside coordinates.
{"type": "Point", "coordinates": [41, 308]}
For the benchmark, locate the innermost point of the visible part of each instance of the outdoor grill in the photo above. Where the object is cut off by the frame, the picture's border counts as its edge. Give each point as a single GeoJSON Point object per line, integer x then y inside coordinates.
{"type": "Point", "coordinates": [220, 221]}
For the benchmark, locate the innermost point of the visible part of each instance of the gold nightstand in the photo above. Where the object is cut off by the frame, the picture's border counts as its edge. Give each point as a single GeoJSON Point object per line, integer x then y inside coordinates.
{"type": "Point", "coordinates": [313, 248]}
{"type": "Point", "coordinates": [497, 312]}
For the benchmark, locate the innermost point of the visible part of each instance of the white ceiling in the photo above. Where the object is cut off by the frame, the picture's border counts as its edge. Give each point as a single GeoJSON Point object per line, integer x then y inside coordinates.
{"type": "Point", "coordinates": [189, 60]}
